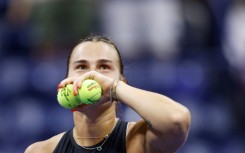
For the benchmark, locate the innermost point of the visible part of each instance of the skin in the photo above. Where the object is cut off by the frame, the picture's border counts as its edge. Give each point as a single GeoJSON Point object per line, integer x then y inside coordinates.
{"type": "Point", "coordinates": [164, 125]}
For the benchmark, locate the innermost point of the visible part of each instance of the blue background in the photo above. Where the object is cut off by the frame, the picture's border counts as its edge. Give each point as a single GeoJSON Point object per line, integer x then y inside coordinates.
{"type": "Point", "coordinates": [190, 50]}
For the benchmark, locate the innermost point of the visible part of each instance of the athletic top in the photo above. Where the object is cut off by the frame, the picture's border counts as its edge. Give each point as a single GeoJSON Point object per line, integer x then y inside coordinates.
{"type": "Point", "coordinates": [116, 142]}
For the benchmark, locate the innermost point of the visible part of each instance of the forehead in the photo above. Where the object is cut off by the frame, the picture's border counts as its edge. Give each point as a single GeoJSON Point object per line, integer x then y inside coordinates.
{"type": "Point", "coordinates": [94, 51]}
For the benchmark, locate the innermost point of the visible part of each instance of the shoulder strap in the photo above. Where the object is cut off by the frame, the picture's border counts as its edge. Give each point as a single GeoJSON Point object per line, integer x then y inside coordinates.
{"type": "Point", "coordinates": [117, 140]}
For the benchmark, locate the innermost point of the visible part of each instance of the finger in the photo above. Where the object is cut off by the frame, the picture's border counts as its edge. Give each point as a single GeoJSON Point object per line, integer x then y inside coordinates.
{"type": "Point", "coordinates": [90, 75]}
{"type": "Point", "coordinates": [77, 85]}
{"type": "Point", "coordinates": [66, 81]}
{"type": "Point", "coordinates": [79, 82]}
{"type": "Point", "coordinates": [75, 91]}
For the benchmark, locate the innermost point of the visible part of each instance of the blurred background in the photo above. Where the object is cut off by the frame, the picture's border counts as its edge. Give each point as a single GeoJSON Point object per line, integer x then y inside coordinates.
{"type": "Point", "coordinates": [190, 50]}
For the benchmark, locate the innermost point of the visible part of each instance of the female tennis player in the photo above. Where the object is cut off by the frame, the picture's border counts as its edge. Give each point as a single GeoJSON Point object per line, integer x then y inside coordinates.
{"type": "Point", "coordinates": [164, 126]}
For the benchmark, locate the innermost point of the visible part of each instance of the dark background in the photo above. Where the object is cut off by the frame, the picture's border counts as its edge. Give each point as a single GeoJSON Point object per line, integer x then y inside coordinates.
{"type": "Point", "coordinates": [190, 50]}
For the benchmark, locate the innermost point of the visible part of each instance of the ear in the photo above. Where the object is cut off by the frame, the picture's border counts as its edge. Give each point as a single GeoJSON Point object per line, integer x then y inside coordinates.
{"type": "Point", "coordinates": [122, 78]}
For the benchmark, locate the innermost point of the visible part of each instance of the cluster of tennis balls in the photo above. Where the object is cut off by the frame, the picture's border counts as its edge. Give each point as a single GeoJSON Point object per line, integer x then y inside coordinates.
{"type": "Point", "coordinates": [89, 93]}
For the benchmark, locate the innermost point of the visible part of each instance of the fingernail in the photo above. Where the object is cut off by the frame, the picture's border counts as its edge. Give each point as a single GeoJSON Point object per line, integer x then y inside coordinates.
{"type": "Point", "coordinates": [78, 86]}
{"type": "Point", "coordinates": [59, 86]}
{"type": "Point", "coordinates": [74, 93]}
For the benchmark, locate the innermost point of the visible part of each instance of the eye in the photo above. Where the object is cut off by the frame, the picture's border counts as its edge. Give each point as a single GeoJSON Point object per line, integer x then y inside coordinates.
{"type": "Point", "coordinates": [104, 67]}
{"type": "Point", "coordinates": [82, 67]}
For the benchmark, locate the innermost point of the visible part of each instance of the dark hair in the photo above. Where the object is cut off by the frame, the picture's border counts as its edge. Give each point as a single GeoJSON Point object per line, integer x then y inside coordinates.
{"type": "Point", "coordinates": [98, 38]}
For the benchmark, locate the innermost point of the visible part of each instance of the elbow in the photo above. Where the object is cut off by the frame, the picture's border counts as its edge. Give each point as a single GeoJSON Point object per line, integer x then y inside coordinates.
{"type": "Point", "coordinates": [176, 135]}
{"type": "Point", "coordinates": [182, 120]}
{"type": "Point", "coordinates": [180, 125]}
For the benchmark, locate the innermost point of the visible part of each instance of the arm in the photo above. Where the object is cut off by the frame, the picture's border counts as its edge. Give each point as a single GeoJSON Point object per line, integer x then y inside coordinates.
{"type": "Point", "coordinates": [168, 121]}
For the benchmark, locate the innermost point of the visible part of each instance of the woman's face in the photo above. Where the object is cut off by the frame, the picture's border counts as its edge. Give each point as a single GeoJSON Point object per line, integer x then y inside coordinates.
{"type": "Point", "coordinates": [94, 56]}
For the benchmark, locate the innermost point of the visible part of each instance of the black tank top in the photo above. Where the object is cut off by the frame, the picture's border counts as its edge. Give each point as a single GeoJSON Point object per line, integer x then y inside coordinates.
{"type": "Point", "coordinates": [116, 142]}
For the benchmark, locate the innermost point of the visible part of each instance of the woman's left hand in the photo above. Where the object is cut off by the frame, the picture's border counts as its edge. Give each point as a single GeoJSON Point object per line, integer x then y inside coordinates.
{"type": "Point", "coordinates": [104, 81]}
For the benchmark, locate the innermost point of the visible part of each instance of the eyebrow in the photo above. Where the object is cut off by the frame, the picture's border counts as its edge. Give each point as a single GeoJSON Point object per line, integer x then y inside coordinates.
{"type": "Point", "coordinates": [99, 61]}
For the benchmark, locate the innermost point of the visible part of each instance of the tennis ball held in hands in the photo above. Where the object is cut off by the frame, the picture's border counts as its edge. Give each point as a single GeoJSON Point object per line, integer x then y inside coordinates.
{"type": "Point", "coordinates": [90, 92]}
{"type": "Point", "coordinates": [66, 98]}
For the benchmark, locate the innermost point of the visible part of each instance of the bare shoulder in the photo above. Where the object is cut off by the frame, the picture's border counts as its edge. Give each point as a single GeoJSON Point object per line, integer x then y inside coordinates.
{"type": "Point", "coordinates": [46, 146]}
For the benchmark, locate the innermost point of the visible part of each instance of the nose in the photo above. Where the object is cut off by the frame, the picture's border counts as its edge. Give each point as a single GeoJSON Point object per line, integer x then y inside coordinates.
{"type": "Point", "coordinates": [93, 68]}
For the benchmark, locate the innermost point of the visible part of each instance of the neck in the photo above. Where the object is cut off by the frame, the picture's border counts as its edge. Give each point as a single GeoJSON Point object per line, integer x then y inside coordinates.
{"type": "Point", "coordinates": [94, 123]}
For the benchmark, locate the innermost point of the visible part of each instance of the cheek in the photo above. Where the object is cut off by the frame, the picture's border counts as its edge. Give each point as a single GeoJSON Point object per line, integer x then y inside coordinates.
{"type": "Point", "coordinates": [71, 73]}
{"type": "Point", "coordinates": [77, 73]}
{"type": "Point", "coordinates": [117, 76]}
{"type": "Point", "coordinates": [112, 74]}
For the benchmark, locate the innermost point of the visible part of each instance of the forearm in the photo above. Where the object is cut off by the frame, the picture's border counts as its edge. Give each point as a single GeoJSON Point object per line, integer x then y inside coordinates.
{"type": "Point", "coordinates": [160, 112]}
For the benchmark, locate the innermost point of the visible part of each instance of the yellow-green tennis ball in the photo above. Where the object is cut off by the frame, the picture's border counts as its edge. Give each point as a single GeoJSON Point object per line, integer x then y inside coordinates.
{"type": "Point", "coordinates": [66, 98]}
{"type": "Point", "coordinates": [90, 92]}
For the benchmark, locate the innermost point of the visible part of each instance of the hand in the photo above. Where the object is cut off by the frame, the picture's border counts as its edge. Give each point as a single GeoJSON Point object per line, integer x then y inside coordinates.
{"type": "Point", "coordinates": [104, 81]}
